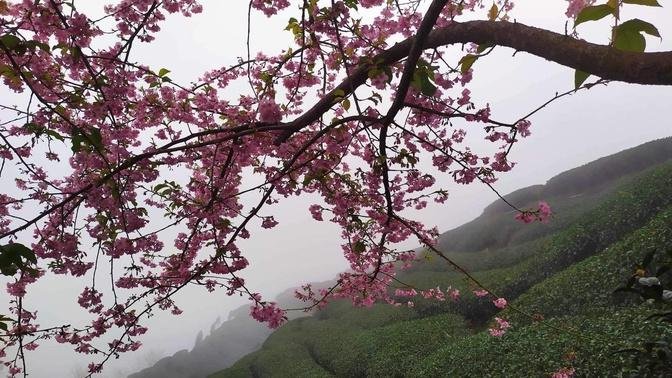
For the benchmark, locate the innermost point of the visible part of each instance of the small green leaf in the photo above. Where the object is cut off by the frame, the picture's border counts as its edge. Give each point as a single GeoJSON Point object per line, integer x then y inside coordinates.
{"type": "Point", "coordinates": [346, 104]}
{"type": "Point", "coordinates": [484, 46]}
{"type": "Point", "coordinates": [466, 62]}
{"type": "Point", "coordinates": [388, 73]}
{"type": "Point", "coordinates": [10, 41]}
{"type": "Point", "coordinates": [12, 257]}
{"type": "Point", "coordinates": [96, 139]}
{"type": "Point", "coordinates": [593, 13]}
{"type": "Point", "coordinates": [629, 41]}
{"type": "Point", "coordinates": [20, 250]}
{"type": "Point", "coordinates": [77, 140]}
{"type": "Point", "coordinates": [427, 87]}
{"type": "Point", "coordinates": [641, 26]}
{"type": "Point", "coordinates": [39, 131]}
{"type": "Point", "coordinates": [628, 35]}
{"type": "Point", "coordinates": [423, 77]}
{"type": "Point", "coordinates": [163, 72]}
{"type": "Point", "coordinates": [37, 44]}
{"type": "Point", "coordinates": [359, 247]}
{"type": "Point", "coordinates": [351, 4]}
{"type": "Point", "coordinates": [650, 3]}
{"type": "Point", "coordinates": [616, 6]}
{"type": "Point", "coordinates": [579, 78]}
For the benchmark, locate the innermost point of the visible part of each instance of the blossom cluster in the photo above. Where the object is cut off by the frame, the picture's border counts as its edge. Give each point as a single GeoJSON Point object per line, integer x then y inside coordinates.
{"type": "Point", "coordinates": [149, 174]}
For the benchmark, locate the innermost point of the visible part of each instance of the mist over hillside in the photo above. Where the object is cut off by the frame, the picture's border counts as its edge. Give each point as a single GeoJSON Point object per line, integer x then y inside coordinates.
{"type": "Point", "coordinates": [560, 279]}
{"type": "Point", "coordinates": [591, 212]}
{"type": "Point", "coordinates": [228, 341]}
{"type": "Point", "coordinates": [569, 192]}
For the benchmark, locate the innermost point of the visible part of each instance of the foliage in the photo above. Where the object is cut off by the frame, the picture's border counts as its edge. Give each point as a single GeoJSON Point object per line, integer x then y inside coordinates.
{"type": "Point", "coordinates": [591, 283]}
{"type": "Point", "coordinates": [588, 343]}
{"type": "Point", "coordinates": [344, 349]}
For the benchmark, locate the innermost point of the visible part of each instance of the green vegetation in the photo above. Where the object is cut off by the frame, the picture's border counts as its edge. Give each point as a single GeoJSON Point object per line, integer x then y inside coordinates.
{"type": "Point", "coordinates": [538, 350]}
{"type": "Point", "coordinates": [561, 275]}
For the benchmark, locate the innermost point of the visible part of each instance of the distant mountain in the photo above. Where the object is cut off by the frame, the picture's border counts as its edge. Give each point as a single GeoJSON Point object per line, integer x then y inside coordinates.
{"type": "Point", "coordinates": [227, 342]}
{"type": "Point", "coordinates": [568, 193]}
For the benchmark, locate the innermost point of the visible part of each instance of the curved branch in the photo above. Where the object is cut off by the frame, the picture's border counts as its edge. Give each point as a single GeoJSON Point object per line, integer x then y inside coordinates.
{"type": "Point", "coordinates": [603, 61]}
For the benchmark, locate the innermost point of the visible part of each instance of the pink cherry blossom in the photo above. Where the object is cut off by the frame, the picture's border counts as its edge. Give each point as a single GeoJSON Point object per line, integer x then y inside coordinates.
{"type": "Point", "coordinates": [500, 303]}
{"type": "Point", "coordinates": [564, 373]}
{"type": "Point", "coordinates": [500, 327]}
{"type": "Point", "coordinates": [480, 293]}
{"type": "Point", "coordinates": [116, 163]}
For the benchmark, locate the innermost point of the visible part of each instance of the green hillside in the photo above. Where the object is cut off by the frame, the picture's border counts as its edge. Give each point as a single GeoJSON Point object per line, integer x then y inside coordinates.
{"type": "Point", "coordinates": [570, 192]}
{"type": "Point", "coordinates": [563, 273]}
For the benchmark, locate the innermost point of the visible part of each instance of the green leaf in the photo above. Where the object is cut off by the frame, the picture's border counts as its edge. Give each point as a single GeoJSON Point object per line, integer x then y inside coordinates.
{"type": "Point", "coordinates": [629, 41]}
{"type": "Point", "coordinates": [628, 35]}
{"type": "Point", "coordinates": [163, 72]}
{"type": "Point", "coordinates": [359, 247]}
{"type": "Point", "coordinates": [37, 44]}
{"type": "Point", "coordinates": [10, 41]}
{"type": "Point", "coordinates": [346, 104]}
{"type": "Point", "coordinates": [484, 46]}
{"type": "Point", "coordinates": [94, 139]}
{"type": "Point", "coordinates": [388, 73]}
{"type": "Point", "coordinates": [466, 62]}
{"type": "Point", "coordinates": [14, 257]}
{"type": "Point", "coordinates": [423, 77]}
{"type": "Point", "coordinates": [39, 131]}
{"type": "Point", "coordinates": [427, 87]}
{"type": "Point", "coordinates": [641, 26]}
{"type": "Point", "coordinates": [351, 4]}
{"type": "Point", "coordinates": [579, 78]}
{"type": "Point", "coordinates": [339, 93]}
{"type": "Point", "coordinates": [650, 3]}
{"type": "Point", "coordinates": [616, 6]}
{"type": "Point", "coordinates": [77, 141]}
{"type": "Point", "coordinates": [294, 27]}
{"type": "Point", "coordinates": [20, 250]}
{"type": "Point", "coordinates": [593, 13]}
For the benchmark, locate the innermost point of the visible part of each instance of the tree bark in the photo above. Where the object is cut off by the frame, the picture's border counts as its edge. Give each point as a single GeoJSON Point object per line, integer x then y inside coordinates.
{"type": "Point", "coordinates": [604, 61]}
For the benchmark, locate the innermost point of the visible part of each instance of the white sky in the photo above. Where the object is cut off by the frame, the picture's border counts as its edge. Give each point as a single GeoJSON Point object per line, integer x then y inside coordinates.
{"type": "Point", "coordinates": [571, 132]}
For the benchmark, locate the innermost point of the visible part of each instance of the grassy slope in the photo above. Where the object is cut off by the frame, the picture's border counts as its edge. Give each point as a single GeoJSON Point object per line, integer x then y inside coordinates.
{"type": "Point", "coordinates": [569, 193]}
{"type": "Point", "coordinates": [567, 275]}
{"type": "Point", "coordinates": [593, 322]}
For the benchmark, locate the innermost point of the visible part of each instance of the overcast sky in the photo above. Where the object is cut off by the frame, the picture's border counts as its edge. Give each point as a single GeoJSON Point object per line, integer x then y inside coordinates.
{"type": "Point", "coordinates": [571, 132]}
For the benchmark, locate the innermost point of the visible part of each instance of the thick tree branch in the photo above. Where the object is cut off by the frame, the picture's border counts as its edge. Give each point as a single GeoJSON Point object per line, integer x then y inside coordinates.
{"type": "Point", "coordinates": [603, 61]}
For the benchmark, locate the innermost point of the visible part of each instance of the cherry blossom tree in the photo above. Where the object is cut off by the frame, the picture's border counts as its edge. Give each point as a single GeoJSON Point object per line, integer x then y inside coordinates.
{"type": "Point", "coordinates": [369, 104]}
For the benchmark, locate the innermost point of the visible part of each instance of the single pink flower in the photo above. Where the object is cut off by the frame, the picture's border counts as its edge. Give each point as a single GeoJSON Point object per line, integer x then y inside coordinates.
{"type": "Point", "coordinates": [500, 303]}
{"type": "Point", "coordinates": [480, 293]}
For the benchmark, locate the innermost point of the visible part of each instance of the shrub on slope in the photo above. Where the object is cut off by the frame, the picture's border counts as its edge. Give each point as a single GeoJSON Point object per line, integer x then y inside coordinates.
{"type": "Point", "coordinates": [588, 285]}
{"type": "Point", "coordinates": [631, 207]}
{"type": "Point", "coordinates": [569, 193]}
{"type": "Point", "coordinates": [538, 350]}
{"type": "Point", "coordinates": [347, 350]}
